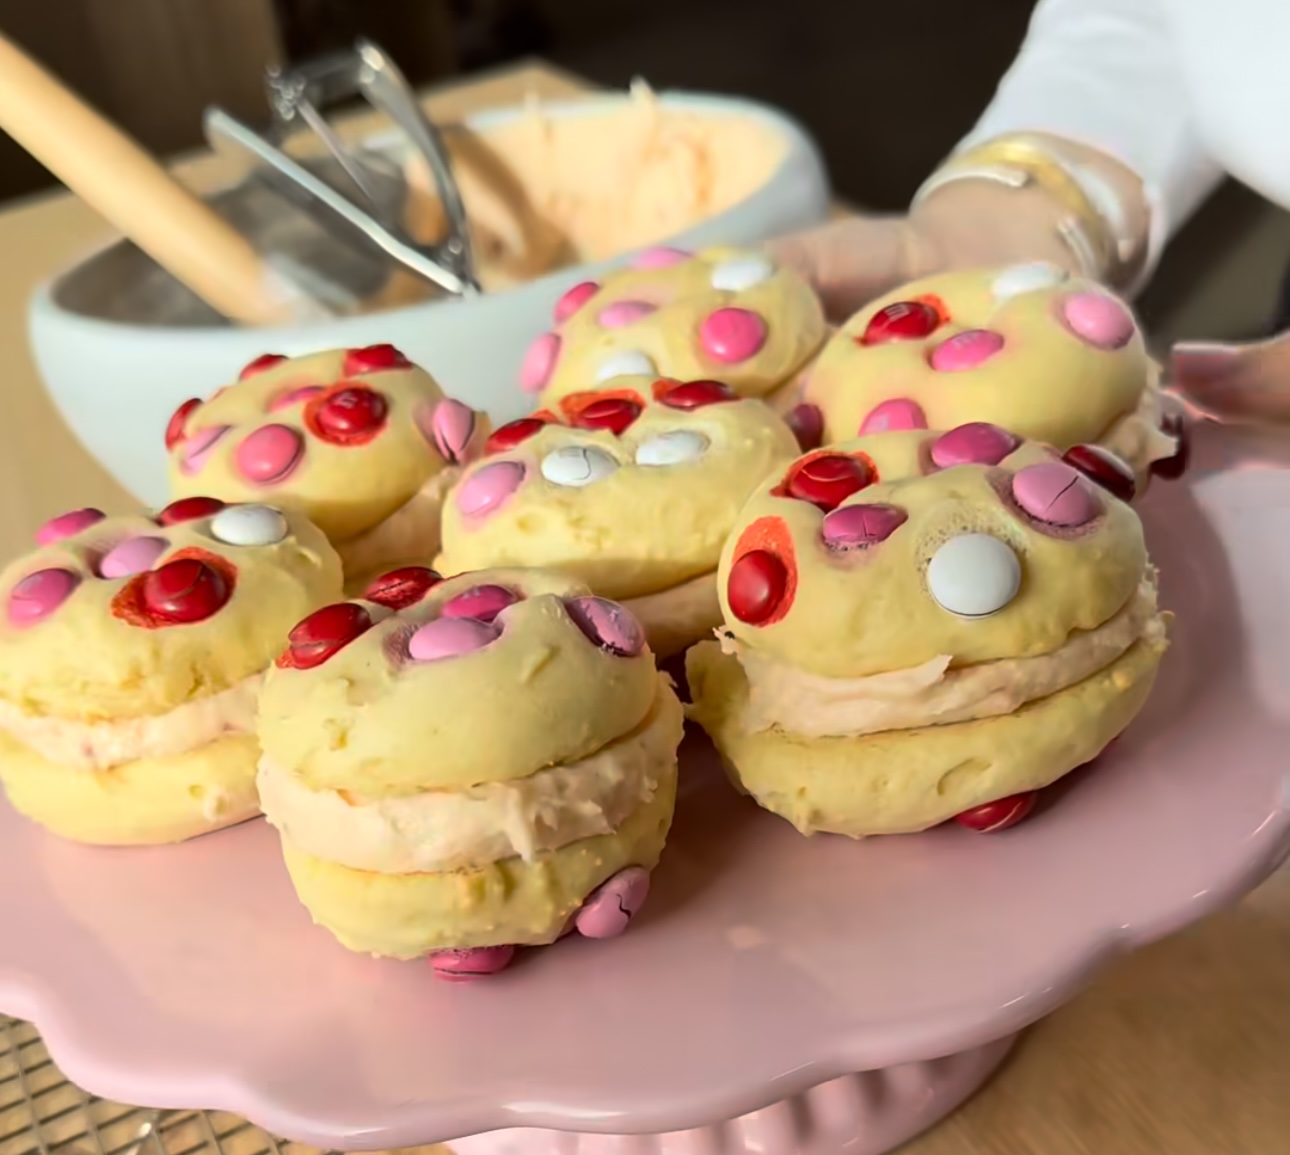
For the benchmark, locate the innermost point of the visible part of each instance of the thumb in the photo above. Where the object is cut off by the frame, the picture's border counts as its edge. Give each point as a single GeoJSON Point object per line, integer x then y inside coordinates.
{"type": "Point", "coordinates": [1249, 382]}
{"type": "Point", "coordinates": [847, 262]}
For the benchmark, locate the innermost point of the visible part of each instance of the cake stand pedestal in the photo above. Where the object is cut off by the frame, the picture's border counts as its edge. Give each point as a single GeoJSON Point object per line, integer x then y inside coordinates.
{"type": "Point", "coordinates": [766, 969]}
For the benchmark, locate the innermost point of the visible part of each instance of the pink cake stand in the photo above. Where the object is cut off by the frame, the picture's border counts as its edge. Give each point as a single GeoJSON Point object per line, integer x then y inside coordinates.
{"type": "Point", "coordinates": [777, 994]}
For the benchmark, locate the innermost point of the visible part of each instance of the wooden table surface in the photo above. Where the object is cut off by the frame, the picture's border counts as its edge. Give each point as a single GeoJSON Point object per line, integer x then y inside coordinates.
{"type": "Point", "coordinates": [1180, 1049]}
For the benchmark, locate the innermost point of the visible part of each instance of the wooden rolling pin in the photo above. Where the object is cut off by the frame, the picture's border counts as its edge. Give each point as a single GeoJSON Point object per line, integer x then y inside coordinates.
{"type": "Point", "coordinates": [116, 177]}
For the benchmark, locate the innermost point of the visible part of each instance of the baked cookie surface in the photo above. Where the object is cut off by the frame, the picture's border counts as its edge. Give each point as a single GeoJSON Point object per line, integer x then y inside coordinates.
{"type": "Point", "coordinates": [721, 312]}
{"type": "Point", "coordinates": [469, 765]}
{"type": "Point", "coordinates": [913, 621]}
{"type": "Point", "coordinates": [1051, 357]}
{"type": "Point", "coordinates": [348, 437]}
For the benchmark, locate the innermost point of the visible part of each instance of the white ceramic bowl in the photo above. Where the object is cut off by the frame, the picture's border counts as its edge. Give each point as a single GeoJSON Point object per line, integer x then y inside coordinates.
{"type": "Point", "coordinates": [117, 367]}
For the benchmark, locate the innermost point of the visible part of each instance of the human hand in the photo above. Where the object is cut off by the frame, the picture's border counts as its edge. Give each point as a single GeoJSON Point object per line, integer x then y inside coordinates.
{"type": "Point", "coordinates": [1248, 382]}
{"type": "Point", "coordinates": [855, 259]}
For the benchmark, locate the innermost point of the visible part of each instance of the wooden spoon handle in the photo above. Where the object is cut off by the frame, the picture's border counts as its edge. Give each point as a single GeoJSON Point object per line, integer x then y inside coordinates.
{"type": "Point", "coordinates": [116, 177]}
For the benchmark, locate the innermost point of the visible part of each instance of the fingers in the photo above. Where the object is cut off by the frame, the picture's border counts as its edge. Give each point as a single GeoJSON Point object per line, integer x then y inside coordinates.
{"type": "Point", "coordinates": [1238, 382]}
{"type": "Point", "coordinates": [848, 262]}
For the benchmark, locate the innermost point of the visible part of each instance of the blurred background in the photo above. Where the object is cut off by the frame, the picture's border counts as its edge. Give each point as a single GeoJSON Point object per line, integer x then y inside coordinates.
{"type": "Point", "coordinates": [886, 89]}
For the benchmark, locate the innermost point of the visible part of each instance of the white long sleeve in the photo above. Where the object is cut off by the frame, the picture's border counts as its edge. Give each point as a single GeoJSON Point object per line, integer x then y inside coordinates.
{"type": "Point", "coordinates": [1106, 74]}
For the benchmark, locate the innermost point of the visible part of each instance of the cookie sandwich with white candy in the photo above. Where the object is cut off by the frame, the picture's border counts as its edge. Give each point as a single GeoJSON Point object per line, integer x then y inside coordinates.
{"type": "Point", "coordinates": [461, 767]}
{"type": "Point", "coordinates": [726, 313]}
{"type": "Point", "coordinates": [922, 627]}
{"type": "Point", "coordinates": [1052, 357]}
{"type": "Point", "coordinates": [632, 490]}
{"type": "Point", "coordinates": [132, 650]}
{"type": "Point", "coordinates": [361, 441]}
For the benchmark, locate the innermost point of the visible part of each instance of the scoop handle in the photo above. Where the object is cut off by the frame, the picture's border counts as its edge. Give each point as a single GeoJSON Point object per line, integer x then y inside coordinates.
{"type": "Point", "coordinates": [115, 176]}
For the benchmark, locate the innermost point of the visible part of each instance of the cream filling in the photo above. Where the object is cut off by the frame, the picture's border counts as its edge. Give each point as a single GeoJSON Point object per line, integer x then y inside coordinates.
{"type": "Point", "coordinates": [933, 694]}
{"type": "Point", "coordinates": [94, 746]}
{"type": "Point", "coordinates": [444, 830]}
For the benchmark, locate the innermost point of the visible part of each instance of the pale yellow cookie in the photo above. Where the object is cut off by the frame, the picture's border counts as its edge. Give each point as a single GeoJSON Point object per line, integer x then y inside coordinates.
{"type": "Point", "coordinates": [349, 437]}
{"type": "Point", "coordinates": [891, 600]}
{"type": "Point", "coordinates": [633, 491]}
{"type": "Point", "coordinates": [459, 764]}
{"type": "Point", "coordinates": [1049, 356]}
{"type": "Point", "coordinates": [131, 655]}
{"type": "Point", "coordinates": [722, 312]}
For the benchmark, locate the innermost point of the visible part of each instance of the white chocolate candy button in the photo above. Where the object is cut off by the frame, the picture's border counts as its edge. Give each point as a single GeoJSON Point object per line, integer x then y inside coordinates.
{"type": "Point", "coordinates": [739, 274]}
{"type": "Point", "coordinates": [974, 575]}
{"type": "Point", "coordinates": [577, 465]}
{"type": "Point", "coordinates": [676, 447]}
{"type": "Point", "coordinates": [631, 363]}
{"type": "Point", "coordinates": [1029, 278]}
{"type": "Point", "coordinates": [249, 525]}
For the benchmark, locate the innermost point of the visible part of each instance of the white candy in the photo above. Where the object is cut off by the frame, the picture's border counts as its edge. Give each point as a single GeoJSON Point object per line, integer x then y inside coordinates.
{"type": "Point", "coordinates": [676, 447]}
{"type": "Point", "coordinates": [577, 465]}
{"type": "Point", "coordinates": [1026, 279]}
{"type": "Point", "coordinates": [631, 363]}
{"type": "Point", "coordinates": [249, 525]}
{"type": "Point", "coordinates": [741, 273]}
{"type": "Point", "coordinates": [974, 575]}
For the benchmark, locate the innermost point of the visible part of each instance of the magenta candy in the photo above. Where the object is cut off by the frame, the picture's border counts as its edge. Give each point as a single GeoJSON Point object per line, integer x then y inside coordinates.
{"type": "Point", "coordinates": [659, 257]}
{"type": "Point", "coordinates": [68, 525]}
{"type": "Point", "coordinates": [609, 625]}
{"type": "Point", "coordinates": [269, 454]}
{"type": "Point", "coordinates": [623, 313]}
{"type": "Point", "coordinates": [977, 443]}
{"type": "Point", "coordinates": [966, 350]}
{"type": "Point", "coordinates": [483, 603]}
{"type": "Point", "coordinates": [452, 425]}
{"type": "Point", "coordinates": [539, 363]}
{"type": "Point", "coordinates": [1055, 493]}
{"type": "Point", "coordinates": [199, 446]}
{"type": "Point", "coordinates": [1098, 320]}
{"type": "Point", "coordinates": [294, 397]}
{"type": "Point", "coordinates": [132, 556]}
{"type": "Point", "coordinates": [857, 526]}
{"type": "Point", "coordinates": [451, 638]}
{"type": "Point", "coordinates": [462, 966]}
{"type": "Point", "coordinates": [574, 299]}
{"type": "Point", "coordinates": [610, 908]}
{"type": "Point", "coordinates": [894, 416]}
{"type": "Point", "coordinates": [490, 485]}
{"type": "Point", "coordinates": [732, 335]}
{"type": "Point", "coordinates": [39, 594]}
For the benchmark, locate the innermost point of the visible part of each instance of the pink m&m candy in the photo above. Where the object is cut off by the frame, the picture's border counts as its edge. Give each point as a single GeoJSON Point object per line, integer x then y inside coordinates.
{"type": "Point", "coordinates": [609, 625]}
{"type": "Point", "coordinates": [1098, 320]}
{"type": "Point", "coordinates": [132, 556]}
{"type": "Point", "coordinates": [893, 416]}
{"type": "Point", "coordinates": [490, 485]}
{"type": "Point", "coordinates": [450, 638]}
{"type": "Point", "coordinates": [67, 525]}
{"type": "Point", "coordinates": [966, 350]}
{"type": "Point", "coordinates": [199, 446]}
{"type": "Point", "coordinates": [574, 299]}
{"type": "Point", "coordinates": [1055, 493]}
{"type": "Point", "coordinates": [660, 257]}
{"type": "Point", "coordinates": [483, 603]}
{"type": "Point", "coordinates": [611, 907]}
{"type": "Point", "coordinates": [539, 363]}
{"type": "Point", "coordinates": [452, 425]}
{"type": "Point", "coordinates": [39, 594]}
{"type": "Point", "coordinates": [977, 443]}
{"type": "Point", "coordinates": [858, 526]}
{"type": "Point", "coordinates": [732, 335]}
{"type": "Point", "coordinates": [270, 454]}
{"type": "Point", "coordinates": [623, 313]}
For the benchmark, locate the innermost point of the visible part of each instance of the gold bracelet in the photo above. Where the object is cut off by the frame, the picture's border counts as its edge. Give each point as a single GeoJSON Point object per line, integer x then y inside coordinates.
{"type": "Point", "coordinates": [1017, 162]}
